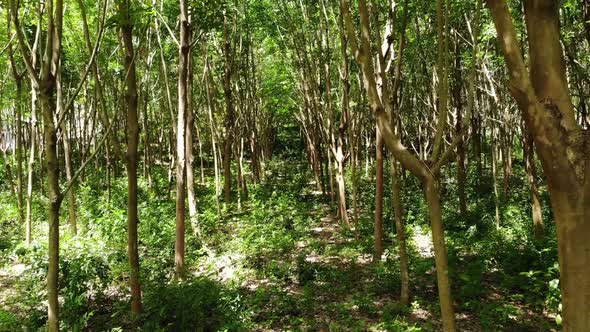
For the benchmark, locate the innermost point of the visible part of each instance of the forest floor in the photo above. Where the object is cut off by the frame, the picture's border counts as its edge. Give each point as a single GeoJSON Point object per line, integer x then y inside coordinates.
{"type": "Point", "coordinates": [284, 262]}
{"type": "Point", "coordinates": [328, 281]}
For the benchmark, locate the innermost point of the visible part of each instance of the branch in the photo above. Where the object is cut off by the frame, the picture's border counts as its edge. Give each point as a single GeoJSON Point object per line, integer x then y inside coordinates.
{"type": "Point", "coordinates": [70, 102]}
{"type": "Point", "coordinates": [349, 27]}
{"type": "Point", "coordinates": [8, 44]}
{"type": "Point", "coordinates": [21, 43]}
{"type": "Point", "coordinates": [471, 92]}
{"type": "Point", "coordinates": [445, 157]}
{"type": "Point", "coordinates": [83, 166]}
{"type": "Point", "coordinates": [161, 19]}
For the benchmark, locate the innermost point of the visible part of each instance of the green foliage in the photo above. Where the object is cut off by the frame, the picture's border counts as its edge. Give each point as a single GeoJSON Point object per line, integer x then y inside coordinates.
{"type": "Point", "coordinates": [270, 265]}
{"type": "Point", "coordinates": [85, 277]}
{"type": "Point", "coordinates": [10, 229]}
{"type": "Point", "coordinates": [194, 305]}
{"type": "Point", "coordinates": [9, 321]}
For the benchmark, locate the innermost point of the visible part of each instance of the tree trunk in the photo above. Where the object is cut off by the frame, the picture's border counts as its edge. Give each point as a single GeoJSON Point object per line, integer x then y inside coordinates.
{"type": "Point", "coordinates": [401, 233]}
{"type": "Point", "coordinates": [543, 98]}
{"type": "Point", "coordinates": [494, 154]}
{"type": "Point", "coordinates": [183, 63]}
{"type": "Point", "coordinates": [190, 126]}
{"type": "Point", "coordinates": [31, 167]}
{"type": "Point", "coordinates": [200, 144]}
{"type": "Point", "coordinates": [379, 198]}
{"type": "Point", "coordinates": [211, 108]}
{"type": "Point", "coordinates": [47, 98]}
{"type": "Point", "coordinates": [68, 158]}
{"type": "Point", "coordinates": [19, 151]}
{"type": "Point", "coordinates": [330, 168]}
{"type": "Point", "coordinates": [531, 171]}
{"type": "Point", "coordinates": [401, 153]}
{"type": "Point", "coordinates": [132, 147]}
{"type": "Point", "coordinates": [242, 177]}
{"type": "Point", "coordinates": [229, 109]}
{"type": "Point", "coordinates": [440, 253]}
{"type": "Point", "coordinates": [341, 189]}
{"type": "Point", "coordinates": [461, 176]}
{"type": "Point", "coordinates": [476, 143]}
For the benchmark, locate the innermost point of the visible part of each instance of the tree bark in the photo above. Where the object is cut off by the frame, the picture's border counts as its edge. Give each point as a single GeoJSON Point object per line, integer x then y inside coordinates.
{"type": "Point", "coordinates": [18, 81]}
{"type": "Point", "coordinates": [378, 198]}
{"type": "Point", "coordinates": [31, 167]}
{"type": "Point", "coordinates": [457, 98]}
{"type": "Point", "coordinates": [543, 98]}
{"type": "Point", "coordinates": [531, 171]}
{"type": "Point", "coordinates": [68, 158]}
{"type": "Point", "coordinates": [183, 63]}
{"type": "Point", "coordinates": [211, 108]}
{"type": "Point", "coordinates": [586, 17]}
{"type": "Point", "coordinates": [131, 157]}
{"type": "Point", "coordinates": [401, 233]}
{"type": "Point", "coordinates": [190, 157]}
{"type": "Point", "coordinates": [46, 84]}
{"type": "Point", "coordinates": [229, 109]}
{"type": "Point", "coordinates": [440, 254]}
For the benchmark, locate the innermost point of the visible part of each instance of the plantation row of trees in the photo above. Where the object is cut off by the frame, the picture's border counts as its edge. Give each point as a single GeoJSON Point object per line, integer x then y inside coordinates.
{"type": "Point", "coordinates": [430, 87]}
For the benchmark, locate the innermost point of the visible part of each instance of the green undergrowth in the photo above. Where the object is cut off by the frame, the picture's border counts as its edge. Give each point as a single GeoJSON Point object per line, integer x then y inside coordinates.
{"type": "Point", "coordinates": [282, 261]}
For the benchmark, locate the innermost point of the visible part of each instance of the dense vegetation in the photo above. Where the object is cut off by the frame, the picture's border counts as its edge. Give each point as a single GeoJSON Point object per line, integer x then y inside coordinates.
{"type": "Point", "coordinates": [294, 165]}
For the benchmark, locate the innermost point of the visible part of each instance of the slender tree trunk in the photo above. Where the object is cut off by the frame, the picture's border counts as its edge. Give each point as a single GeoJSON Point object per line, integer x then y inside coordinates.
{"type": "Point", "coordinates": [147, 150]}
{"type": "Point", "coordinates": [19, 151]}
{"type": "Point", "coordinates": [341, 189]}
{"type": "Point", "coordinates": [586, 17]}
{"type": "Point", "coordinates": [190, 125]}
{"type": "Point", "coordinates": [379, 199]}
{"type": "Point", "coordinates": [132, 151]}
{"type": "Point", "coordinates": [46, 83]}
{"type": "Point", "coordinates": [229, 109]}
{"type": "Point", "coordinates": [18, 82]}
{"type": "Point", "coordinates": [68, 158]}
{"type": "Point", "coordinates": [211, 109]}
{"type": "Point", "coordinates": [329, 166]}
{"type": "Point", "coordinates": [31, 167]}
{"type": "Point", "coordinates": [47, 98]}
{"type": "Point", "coordinates": [476, 143]}
{"type": "Point", "coordinates": [506, 149]}
{"type": "Point", "coordinates": [239, 175]}
{"type": "Point", "coordinates": [343, 128]}
{"type": "Point", "coordinates": [401, 233]}
{"type": "Point", "coordinates": [33, 137]}
{"type": "Point", "coordinates": [543, 97]}
{"type": "Point", "coordinates": [183, 63]}
{"type": "Point", "coordinates": [440, 253]}
{"type": "Point", "coordinates": [531, 171]}
{"type": "Point", "coordinates": [200, 144]}
{"type": "Point", "coordinates": [242, 177]}
{"type": "Point", "coordinates": [494, 155]}
{"type": "Point", "coordinates": [461, 176]}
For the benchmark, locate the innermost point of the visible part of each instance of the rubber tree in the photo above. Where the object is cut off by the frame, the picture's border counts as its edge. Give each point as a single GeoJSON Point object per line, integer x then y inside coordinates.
{"type": "Point", "coordinates": [45, 83]}
{"type": "Point", "coordinates": [132, 152]}
{"type": "Point", "coordinates": [427, 171]}
{"type": "Point", "coordinates": [183, 95]}
{"type": "Point", "coordinates": [542, 95]}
